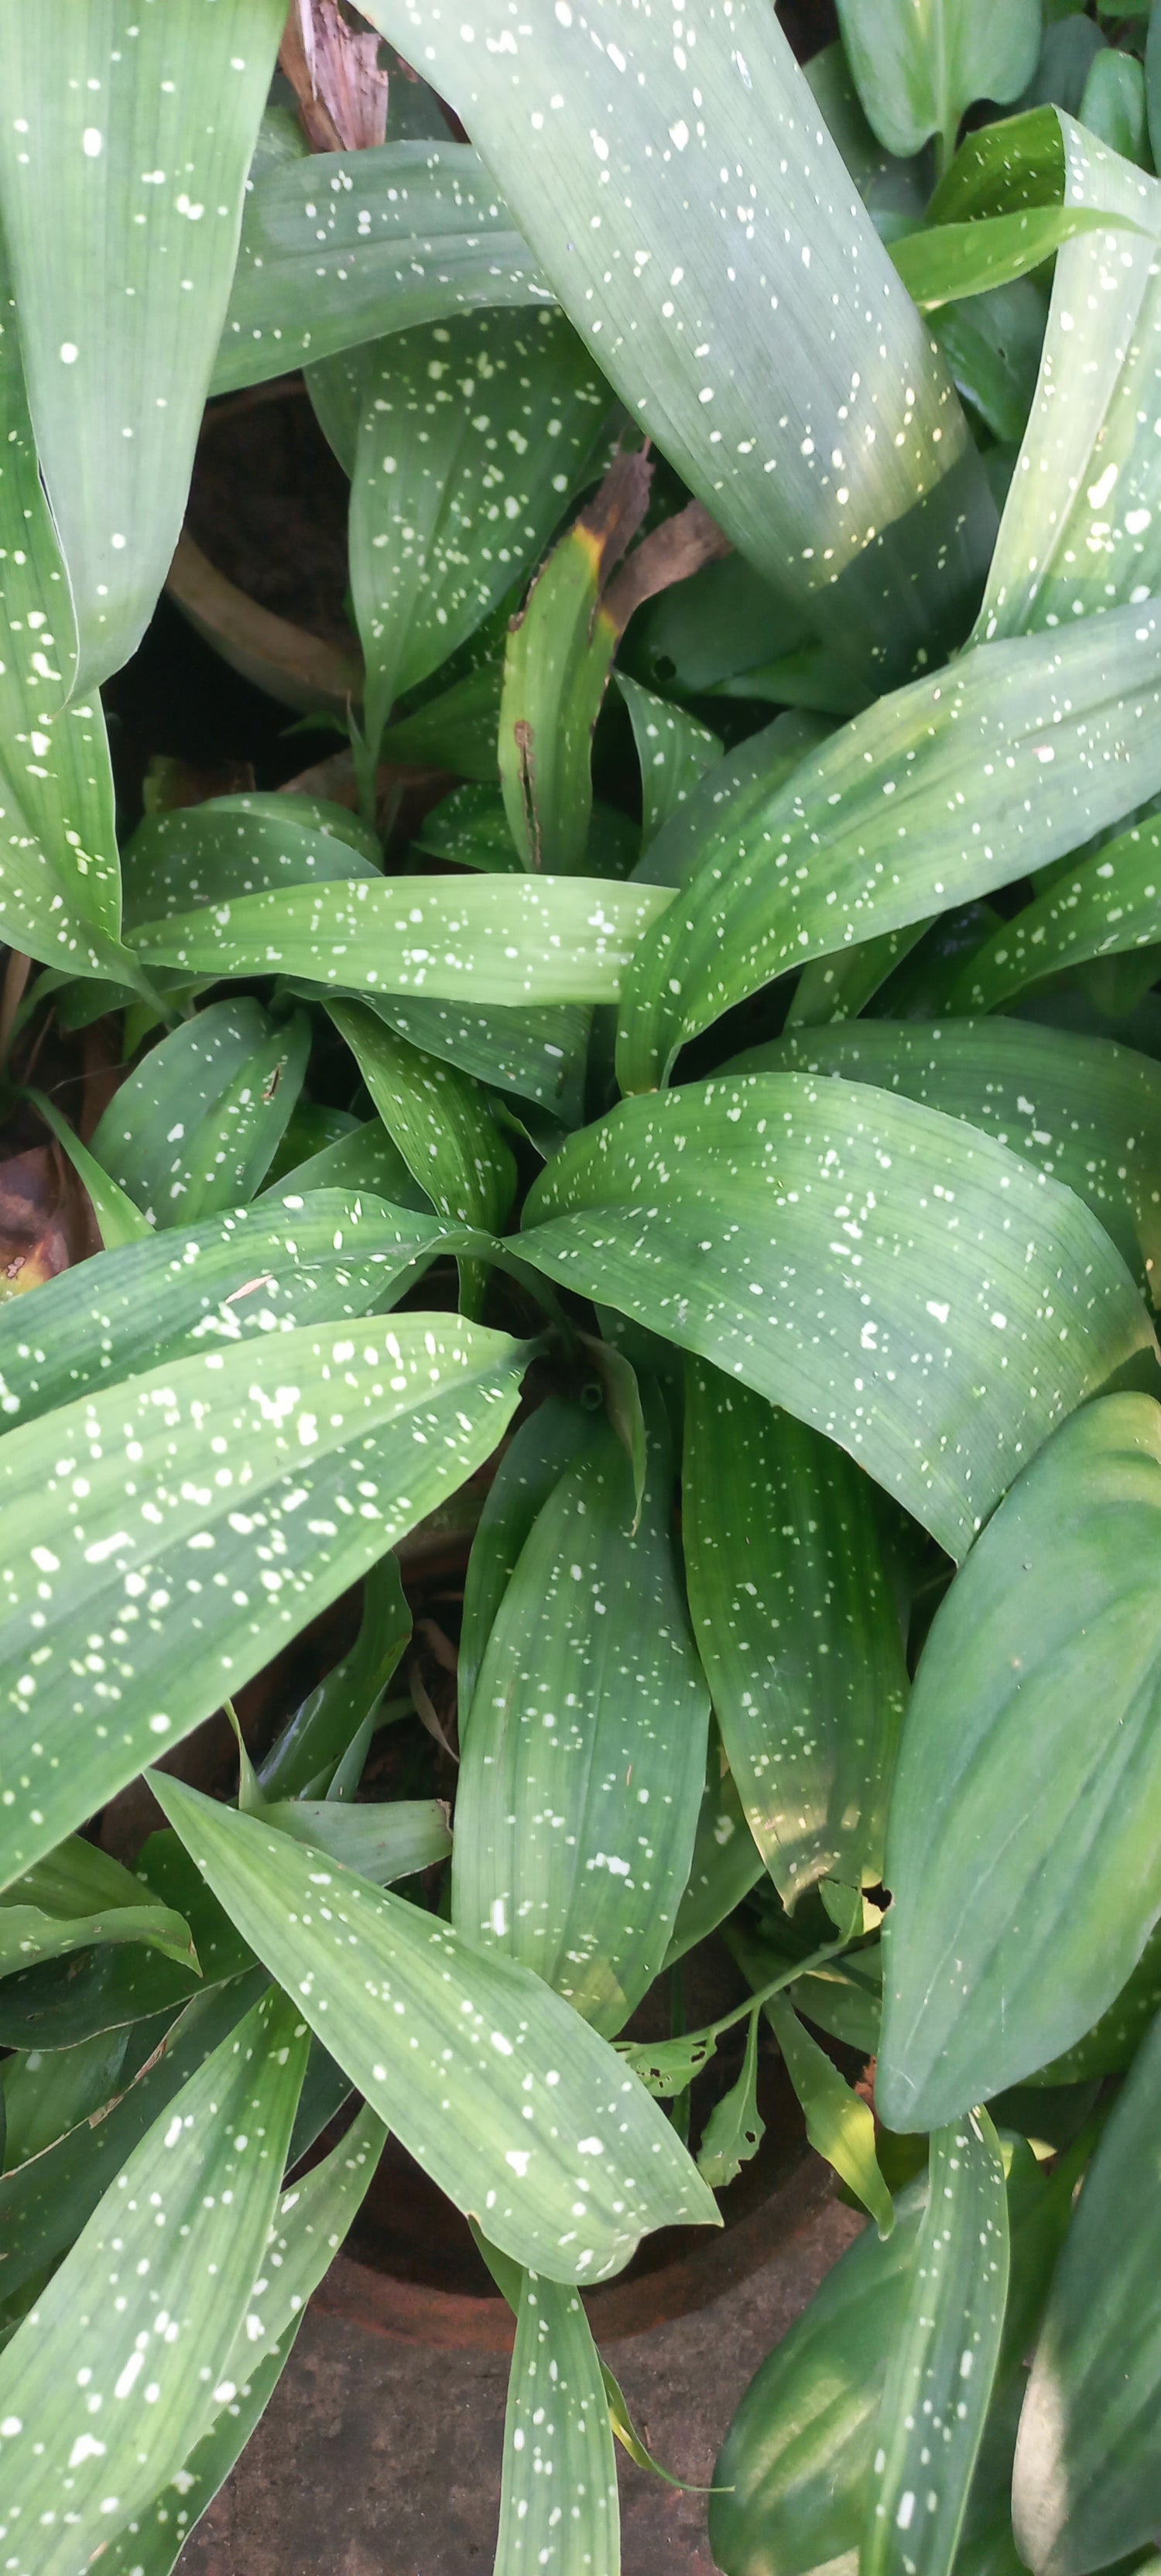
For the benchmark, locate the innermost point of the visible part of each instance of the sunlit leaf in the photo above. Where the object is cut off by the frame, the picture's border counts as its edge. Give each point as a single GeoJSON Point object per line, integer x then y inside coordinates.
{"type": "Point", "coordinates": [559, 2506]}
{"type": "Point", "coordinates": [518, 2111]}
{"type": "Point", "coordinates": [330, 1446]}
{"type": "Point", "coordinates": [123, 159]}
{"type": "Point", "coordinates": [194, 1129]}
{"type": "Point", "coordinates": [798, 1235]}
{"type": "Point", "coordinates": [838, 2123]}
{"type": "Point", "coordinates": [585, 1752]}
{"type": "Point", "coordinates": [86, 2446]}
{"type": "Point", "coordinates": [796, 1628]}
{"type": "Point", "coordinates": [943, 2359]}
{"type": "Point", "coordinates": [623, 190]}
{"type": "Point", "coordinates": [952, 260]}
{"type": "Point", "coordinates": [947, 788]}
{"type": "Point", "coordinates": [483, 939]}
{"type": "Point", "coordinates": [1020, 1856]}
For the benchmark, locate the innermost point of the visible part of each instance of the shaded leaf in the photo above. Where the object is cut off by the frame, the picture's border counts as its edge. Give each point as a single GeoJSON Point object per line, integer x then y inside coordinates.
{"type": "Point", "coordinates": [119, 1219]}
{"type": "Point", "coordinates": [77, 1896]}
{"type": "Point", "coordinates": [215, 2167]}
{"type": "Point", "coordinates": [943, 2359]}
{"type": "Point", "coordinates": [838, 2123]}
{"type": "Point", "coordinates": [1113, 105]}
{"type": "Point", "coordinates": [735, 2128]}
{"type": "Point", "coordinates": [233, 845]}
{"type": "Point", "coordinates": [196, 1126]}
{"type": "Point", "coordinates": [797, 1235]}
{"type": "Point", "coordinates": [945, 789]}
{"type": "Point", "coordinates": [585, 1750]}
{"type": "Point", "coordinates": [1025, 1779]}
{"type": "Point", "coordinates": [542, 1450]}
{"type": "Point", "coordinates": [501, 2146]}
{"type": "Point", "coordinates": [797, 1631]}
{"type": "Point", "coordinates": [366, 1435]}
{"type": "Point", "coordinates": [121, 276]}
{"type": "Point", "coordinates": [404, 233]}
{"type": "Point", "coordinates": [918, 69]}
{"type": "Point", "coordinates": [291, 1260]}
{"type": "Point", "coordinates": [726, 1860]}
{"type": "Point", "coordinates": [674, 751]}
{"type": "Point", "coordinates": [1107, 904]}
{"type": "Point", "coordinates": [382, 1841]}
{"type": "Point", "coordinates": [315, 1740]}
{"type": "Point", "coordinates": [539, 1055]}
{"type": "Point", "coordinates": [439, 1118]}
{"type": "Point", "coordinates": [1112, 2043]}
{"type": "Point", "coordinates": [559, 2506]}
{"type": "Point", "coordinates": [992, 346]}
{"type": "Point", "coordinates": [363, 1158]}
{"type": "Point", "coordinates": [482, 940]}
{"type": "Point", "coordinates": [693, 357]}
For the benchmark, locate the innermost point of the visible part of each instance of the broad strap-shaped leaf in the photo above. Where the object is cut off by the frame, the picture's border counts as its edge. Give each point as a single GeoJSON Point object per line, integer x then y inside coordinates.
{"type": "Point", "coordinates": [47, 2090]}
{"type": "Point", "coordinates": [439, 1118]}
{"type": "Point", "coordinates": [741, 783]}
{"type": "Point", "coordinates": [559, 2506]}
{"type": "Point", "coordinates": [1081, 529]}
{"type": "Point", "coordinates": [790, 2485]}
{"type": "Point", "coordinates": [59, 883]}
{"type": "Point", "coordinates": [726, 1859]}
{"type": "Point", "coordinates": [919, 67]}
{"type": "Point", "coordinates": [116, 1985]}
{"type": "Point", "coordinates": [317, 1740]}
{"type": "Point", "coordinates": [473, 433]}
{"type": "Point", "coordinates": [1027, 1778]}
{"type": "Point", "coordinates": [822, 489]}
{"type": "Point", "coordinates": [196, 1126]}
{"type": "Point", "coordinates": [147, 2317]}
{"type": "Point", "coordinates": [585, 1752]}
{"type": "Point", "coordinates": [800, 1236]}
{"type": "Point", "coordinates": [1086, 2487]}
{"type": "Point", "coordinates": [1084, 1111]}
{"type": "Point", "coordinates": [382, 1840]}
{"type": "Point", "coordinates": [292, 1260]}
{"type": "Point", "coordinates": [1112, 2043]}
{"type": "Point", "coordinates": [363, 1159]}
{"type": "Point", "coordinates": [308, 2228]}
{"type": "Point", "coordinates": [403, 233]}
{"type": "Point", "coordinates": [796, 1628]}
{"type": "Point", "coordinates": [484, 939]}
{"type": "Point", "coordinates": [516, 2109]}
{"type": "Point", "coordinates": [674, 751]}
{"type": "Point", "coordinates": [233, 845]}
{"type": "Point", "coordinates": [1106, 905]}
{"type": "Point", "coordinates": [544, 1447]}
{"type": "Point", "coordinates": [943, 2360]}
{"type": "Point", "coordinates": [540, 1055]}
{"type": "Point", "coordinates": [839, 2124]}
{"type": "Point", "coordinates": [992, 345]}
{"type": "Point", "coordinates": [123, 159]}
{"type": "Point", "coordinates": [948, 261]}
{"type": "Point", "coordinates": [76, 1896]}
{"type": "Point", "coordinates": [317, 1450]}
{"type": "Point", "coordinates": [949, 787]}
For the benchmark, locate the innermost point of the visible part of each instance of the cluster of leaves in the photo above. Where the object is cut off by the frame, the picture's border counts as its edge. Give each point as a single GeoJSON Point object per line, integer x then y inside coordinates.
{"type": "Point", "coordinates": [789, 1105]}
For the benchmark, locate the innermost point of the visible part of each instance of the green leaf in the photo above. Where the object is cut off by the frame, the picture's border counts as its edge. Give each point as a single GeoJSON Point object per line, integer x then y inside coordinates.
{"type": "Point", "coordinates": [547, 1443]}
{"type": "Point", "coordinates": [1106, 905]}
{"type": "Point", "coordinates": [59, 883]}
{"type": "Point", "coordinates": [842, 1997]}
{"type": "Point", "coordinates": [315, 1741]}
{"type": "Point", "coordinates": [559, 2506]}
{"type": "Point", "coordinates": [234, 845]}
{"type": "Point", "coordinates": [1026, 1779]}
{"type": "Point", "coordinates": [213, 2168]}
{"type": "Point", "coordinates": [478, 940]}
{"type": "Point", "coordinates": [473, 434]}
{"type": "Point", "coordinates": [1113, 106]}
{"type": "Point", "coordinates": [791, 2480]}
{"type": "Point", "coordinates": [953, 260]}
{"type": "Point", "coordinates": [1084, 1111]}
{"type": "Point", "coordinates": [539, 1055]}
{"type": "Point", "coordinates": [196, 1126]}
{"type": "Point", "coordinates": [796, 1628]}
{"type": "Point", "coordinates": [798, 1234]}
{"type": "Point", "coordinates": [992, 346]}
{"type": "Point", "coordinates": [46, 2091]}
{"type": "Point", "coordinates": [879, 550]}
{"type": "Point", "coordinates": [1086, 2487]}
{"type": "Point", "coordinates": [291, 1260]}
{"type": "Point", "coordinates": [330, 1447]}
{"type": "Point", "coordinates": [382, 1841]}
{"type": "Point", "coordinates": [455, 731]}
{"type": "Point", "coordinates": [838, 2123]}
{"type": "Point", "coordinates": [77, 1896]}
{"type": "Point", "coordinates": [918, 69]}
{"type": "Point", "coordinates": [943, 2359]}
{"type": "Point", "coordinates": [439, 1118]}
{"type": "Point", "coordinates": [838, 988]}
{"type": "Point", "coordinates": [399, 234]}
{"type": "Point", "coordinates": [119, 1218]}
{"type": "Point", "coordinates": [1112, 2043]}
{"type": "Point", "coordinates": [363, 1159]}
{"type": "Point", "coordinates": [1081, 529]}
{"type": "Point", "coordinates": [744, 779]}
{"type": "Point", "coordinates": [938, 793]}
{"type": "Point", "coordinates": [585, 1752]}
{"type": "Point", "coordinates": [726, 1860]}
{"type": "Point", "coordinates": [55, 2004]}
{"type": "Point", "coordinates": [674, 751]}
{"type": "Point", "coordinates": [308, 2228]}
{"type": "Point", "coordinates": [462, 2066]}
{"type": "Point", "coordinates": [735, 2128]}
{"type": "Point", "coordinates": [123, 160]}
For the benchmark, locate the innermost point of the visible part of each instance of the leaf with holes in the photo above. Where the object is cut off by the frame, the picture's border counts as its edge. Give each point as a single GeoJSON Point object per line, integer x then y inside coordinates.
{"type": "Point", "coordinates": [735, 2128]}
{"type": "Point", "coordinates": [584, 1757]}
{"type": "Point", "coordinates": [329, 1446]}
{"type": "Point", "coordinates": [516, 2109]}
{"type": "Point", "coordinates": [123, 160]}
{"type": "Point", "coordinates": [1033, 1706]}
{"type": "Point", "coordinates": [481, 940]}
{"type": "Point", "coordinates": [559, 2506]}
{"type": "Point", "coordinates": [196, 1126]}
{"type": "Point", "coordinates": [799, 1235]}
{"type": "Point", "coordinates": [865, 502]}
{"type": "Point", "coordinates": [797, 1631]}
{"type": "Point", "coordinates": [102, 2446]}
{"type": "Point", "coordinates": [941, 791]}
